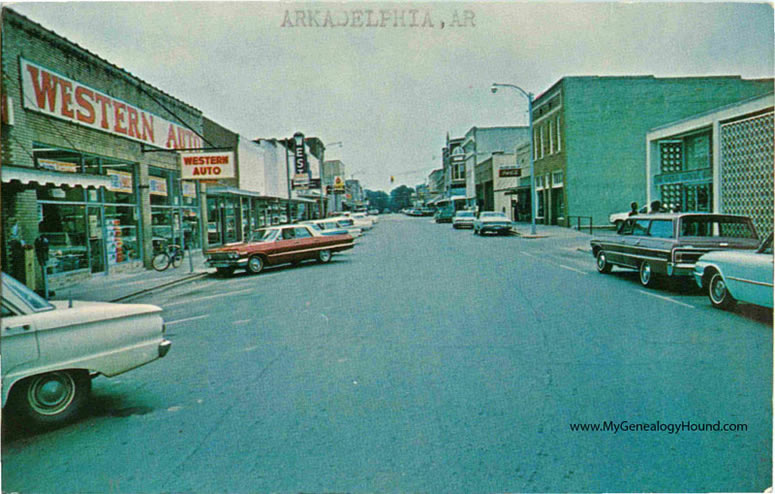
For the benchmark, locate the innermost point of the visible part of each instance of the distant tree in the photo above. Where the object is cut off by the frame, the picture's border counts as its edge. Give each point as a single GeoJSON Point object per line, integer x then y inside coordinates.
{"type": "Point", "coordinates": [401, 197]}
{"type": "Point", "coordinates": [378, 199]}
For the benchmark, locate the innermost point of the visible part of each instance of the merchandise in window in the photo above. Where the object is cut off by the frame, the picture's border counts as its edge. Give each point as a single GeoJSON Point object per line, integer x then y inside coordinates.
{"type": "Point", "coordinates": [64, 225]}
{"type": "Point", "coordinates": [121, 234]}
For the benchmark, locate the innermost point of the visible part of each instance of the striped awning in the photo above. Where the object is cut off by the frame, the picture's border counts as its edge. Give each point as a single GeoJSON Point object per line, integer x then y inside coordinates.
{"type": "Point", "coordinates": [41, 176]}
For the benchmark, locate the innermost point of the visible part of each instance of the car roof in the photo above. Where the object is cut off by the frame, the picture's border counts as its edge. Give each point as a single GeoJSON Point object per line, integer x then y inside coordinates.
{"type": "Point", "coordinates": [670, 216]}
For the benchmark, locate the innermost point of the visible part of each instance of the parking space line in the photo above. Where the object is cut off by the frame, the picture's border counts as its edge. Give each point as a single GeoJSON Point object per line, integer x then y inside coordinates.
{"type": "Point", "coordinates": [563, 266]}
{"type": "Point", "coordinates": [668, 299]}
{"type": "Point", "coordinates": [572, 269]}
{"type": "Point", "coordinates": [170, 323]}
{"type": "Point", "coordinates": [190, 300]}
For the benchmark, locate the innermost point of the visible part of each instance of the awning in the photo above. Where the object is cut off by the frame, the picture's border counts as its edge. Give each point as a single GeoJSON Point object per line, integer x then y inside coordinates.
{"type": "Point", "coordinates": [40, 176]}
{"type": "Point", "coordinates": [225, 190]}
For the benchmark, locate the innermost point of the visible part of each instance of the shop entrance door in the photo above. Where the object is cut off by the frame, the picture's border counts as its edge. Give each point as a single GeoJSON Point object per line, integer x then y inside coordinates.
{"type": "Point", "coordinates": [94, 229]}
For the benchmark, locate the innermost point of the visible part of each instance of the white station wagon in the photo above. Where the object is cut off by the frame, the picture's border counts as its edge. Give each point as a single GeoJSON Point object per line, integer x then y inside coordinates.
{"type": "Point", "coordinates": [51, 350]}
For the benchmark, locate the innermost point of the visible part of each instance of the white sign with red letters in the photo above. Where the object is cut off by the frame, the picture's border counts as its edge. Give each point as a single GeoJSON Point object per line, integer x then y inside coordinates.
{"type": "Point", "coordinates": [48, 92]}
{"type": "Point", "coordinates": [207, 166]}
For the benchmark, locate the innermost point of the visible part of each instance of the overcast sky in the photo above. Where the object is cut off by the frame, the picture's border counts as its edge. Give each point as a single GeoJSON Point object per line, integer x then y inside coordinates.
{"type": "Point", "coordinates": [391, 94]}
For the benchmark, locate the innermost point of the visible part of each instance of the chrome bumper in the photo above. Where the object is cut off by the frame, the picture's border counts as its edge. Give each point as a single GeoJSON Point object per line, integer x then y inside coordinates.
{"type": "Point", "coordinates": [227, 263]}
{"type": "Point", "coordinates": [164, 348]}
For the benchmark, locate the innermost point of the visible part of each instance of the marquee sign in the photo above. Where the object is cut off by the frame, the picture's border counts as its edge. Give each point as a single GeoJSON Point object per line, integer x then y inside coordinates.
{"type": "Point", "coordinates": [207, 166]}
{"type": "Point", "coordinates": [52, 94]}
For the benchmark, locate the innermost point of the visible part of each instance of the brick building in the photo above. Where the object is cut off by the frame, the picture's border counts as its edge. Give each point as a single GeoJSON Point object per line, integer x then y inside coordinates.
{"type": "Point", "coordinates": [589, 135]}
{"type": "Point", "coordinates": [81, 162]}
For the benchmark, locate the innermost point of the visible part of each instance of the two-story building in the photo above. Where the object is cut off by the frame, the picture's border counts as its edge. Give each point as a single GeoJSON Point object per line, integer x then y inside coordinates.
{"type": "Point", "coordinates": [588, 136]}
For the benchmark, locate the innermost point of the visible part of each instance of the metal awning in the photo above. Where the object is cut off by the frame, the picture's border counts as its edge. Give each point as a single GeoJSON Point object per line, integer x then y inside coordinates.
{"type": "Point", "coordinates": [41, 176]}
{"type": "Point", "coordinates": [225, 190]}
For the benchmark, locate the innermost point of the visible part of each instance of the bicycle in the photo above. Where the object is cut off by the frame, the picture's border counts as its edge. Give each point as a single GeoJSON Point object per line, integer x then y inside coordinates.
{"type": "Point", "coordinates": [171, 254]}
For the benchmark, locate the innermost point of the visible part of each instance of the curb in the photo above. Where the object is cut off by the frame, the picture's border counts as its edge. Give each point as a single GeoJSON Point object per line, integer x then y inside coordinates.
{"type": "Point", "coordinates": [169, 284]}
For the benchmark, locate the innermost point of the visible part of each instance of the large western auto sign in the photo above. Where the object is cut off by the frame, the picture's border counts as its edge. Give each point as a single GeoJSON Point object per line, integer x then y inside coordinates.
{"type": "Point", "coordinates": [49, 93]}
{"type": "Point", "coordinates": [207, 166]}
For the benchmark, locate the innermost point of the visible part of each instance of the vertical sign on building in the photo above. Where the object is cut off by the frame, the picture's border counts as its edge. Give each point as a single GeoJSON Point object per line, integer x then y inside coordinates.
{"type": "Point", "coordinates": [301, 176]}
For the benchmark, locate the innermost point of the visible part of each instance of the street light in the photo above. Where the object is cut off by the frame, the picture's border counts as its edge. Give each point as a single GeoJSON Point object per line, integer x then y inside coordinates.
{"type": "Point", "coordinates": [529, 96]}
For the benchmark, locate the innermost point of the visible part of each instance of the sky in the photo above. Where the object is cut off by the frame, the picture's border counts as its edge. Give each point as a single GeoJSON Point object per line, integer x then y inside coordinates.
{"type": "Point", "coordinates": [389, 92]}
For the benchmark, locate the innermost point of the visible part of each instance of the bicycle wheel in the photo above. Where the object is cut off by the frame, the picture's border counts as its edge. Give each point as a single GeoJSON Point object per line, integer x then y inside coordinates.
{"type": "Point", "coordinates": [161, 261]}
{"type": "Point", "coordinates": [177, 258]}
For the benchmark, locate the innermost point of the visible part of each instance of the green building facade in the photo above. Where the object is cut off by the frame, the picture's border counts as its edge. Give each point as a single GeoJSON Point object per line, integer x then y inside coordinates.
{"type": "Point", "coordinates": [590, 136]}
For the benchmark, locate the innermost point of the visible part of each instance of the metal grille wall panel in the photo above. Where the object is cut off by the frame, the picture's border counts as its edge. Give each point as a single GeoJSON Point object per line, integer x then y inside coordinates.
{"type": "Point", "coordinates": [747, 162]}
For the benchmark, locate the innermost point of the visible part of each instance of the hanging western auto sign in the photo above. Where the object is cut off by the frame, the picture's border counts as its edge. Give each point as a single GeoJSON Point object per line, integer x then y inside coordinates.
{"type": "Point", "coordinates": [207, 166]}
{"type": "Point", "coordinates": [49, 93]}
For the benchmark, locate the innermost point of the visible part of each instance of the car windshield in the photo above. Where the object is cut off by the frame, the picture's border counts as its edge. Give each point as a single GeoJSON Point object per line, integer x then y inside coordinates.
{"type": "Point", "coordinates": [346, 222]}
{"type": "Point", "coordinates": [465, 214]}
{"type": "Point", "coordinates": [264, 235]}
{"type": "Point", "coordinates": [766, 247]}
{"type": "Point", "coordinates": [35, 301]}
{"type": "Point", "coordinates": [329, 225]}
{"type": "Point", "coordinates": [316, 226]}
{"type": "Point", "coordinates": [717, 226]}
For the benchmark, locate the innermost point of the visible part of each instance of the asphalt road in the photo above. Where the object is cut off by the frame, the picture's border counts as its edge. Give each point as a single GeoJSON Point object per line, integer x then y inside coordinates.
{"type": "Point", "coordinates": [425, 359]}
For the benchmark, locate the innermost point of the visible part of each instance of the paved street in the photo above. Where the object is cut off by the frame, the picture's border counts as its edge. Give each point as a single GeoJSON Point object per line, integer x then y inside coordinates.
{"type": "Point", "coordinates": [425, 360]}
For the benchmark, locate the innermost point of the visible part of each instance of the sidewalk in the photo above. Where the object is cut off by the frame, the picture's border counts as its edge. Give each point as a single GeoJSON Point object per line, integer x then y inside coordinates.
{"type": "Point", "coordinates": [123, 286]}
{"type": "Point", "coordinates": [568, 238]}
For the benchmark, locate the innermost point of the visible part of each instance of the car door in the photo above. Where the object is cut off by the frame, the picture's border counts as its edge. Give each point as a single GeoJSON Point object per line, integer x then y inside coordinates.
{"type": "Point", "coordinates": [635, 247]}
{"type": "Point", "coordinates": [18, 335]}
{"type": "Point", "coordinates": [616, 246]}
{"type": "Point", "coordinates": [750, 279]}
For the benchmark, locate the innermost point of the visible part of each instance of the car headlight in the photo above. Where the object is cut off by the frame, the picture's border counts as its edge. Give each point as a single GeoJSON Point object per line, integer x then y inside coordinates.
{"type": "Point", "coordinates": [233, 255]}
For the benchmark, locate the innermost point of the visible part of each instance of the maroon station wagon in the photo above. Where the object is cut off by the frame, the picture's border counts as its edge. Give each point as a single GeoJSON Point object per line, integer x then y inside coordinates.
{"type": "Point", "coordinates": [277, 245]}
{"type": "Point", "coordinates": [670, 244]}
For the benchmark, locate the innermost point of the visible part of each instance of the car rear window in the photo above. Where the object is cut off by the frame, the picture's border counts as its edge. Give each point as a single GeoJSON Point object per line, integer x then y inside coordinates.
{"type": "Point", "coordinates": [717, 227]}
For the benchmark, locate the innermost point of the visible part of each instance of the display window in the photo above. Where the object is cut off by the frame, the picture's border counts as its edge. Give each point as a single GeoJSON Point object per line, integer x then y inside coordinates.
{"type": "Point", "coordinates": [64, 225]}
{"type": "Point", "coordinates": [122, 241]}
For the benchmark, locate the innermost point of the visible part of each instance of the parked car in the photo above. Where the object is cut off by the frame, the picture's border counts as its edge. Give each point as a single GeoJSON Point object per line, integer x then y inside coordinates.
{"type": "Point", "coordinates": [463, 219]}
{"type": "Point", "coordinates": [52, 350]}
{"type": "Point", "coordinates": [730, 276]}
{"type": "Point", "coordinates": [444, 215]}
{"type": "Point", "coordinates": [618, 218]}
{"type": "Point", "coordinates": [333, 227]}
{"type": "Point", "coordinates": [492, 221]}
{"type": "Point", "coordinates": [277, 245]}
{"type": "Point", "coordinates": [670, 244]}
{"type": "Point", "coordinates": [365, 217]}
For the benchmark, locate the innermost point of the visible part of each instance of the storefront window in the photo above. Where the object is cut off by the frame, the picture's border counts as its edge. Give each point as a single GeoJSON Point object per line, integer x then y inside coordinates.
{"type": "Point", "coordinates": [64, 225]}
{"type": "Point", "coordinates": [213, 221]}
{"type": "Point", "coordinates": [697, 152]}
{"type": "Point", "coordinates": [121, 234]}
{"type": "Point", "coordinates": [122, 184]}
{"type": "Point", "coordinates": [191, 228]}
{"type": "Point", "coordinates": [162, 227]}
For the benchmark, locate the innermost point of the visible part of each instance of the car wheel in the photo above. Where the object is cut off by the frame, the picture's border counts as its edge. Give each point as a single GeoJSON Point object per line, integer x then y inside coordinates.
{"type": "Point", "coordinates": [602, 262]}
{"type": "Point", "coordinates": [324, 256]}
{"type": "Point", "coordinates": [646, 274]}
{"type": "Point", "coordinates": [255, 264]}
{"type": "Point", "coordinates": [454, 226]}
{"type": "Point", "coordinates": [718, 293]}
{"type": "Point", "coordinates": [51, 399]}
{"type": "Point", "coordinates": [224, 271]}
